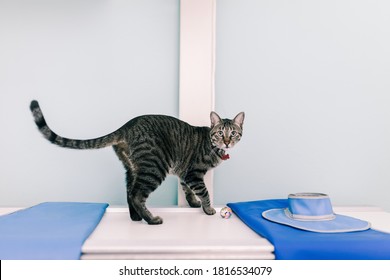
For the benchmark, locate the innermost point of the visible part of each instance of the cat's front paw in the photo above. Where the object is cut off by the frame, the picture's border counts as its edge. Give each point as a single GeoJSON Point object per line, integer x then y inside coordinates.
{"type": "Point", "coordinates": [155, 221]}
{"type": "Point", "coordinates": [209, 210]}
{"type": "Point", "coordinates": [193, 202]}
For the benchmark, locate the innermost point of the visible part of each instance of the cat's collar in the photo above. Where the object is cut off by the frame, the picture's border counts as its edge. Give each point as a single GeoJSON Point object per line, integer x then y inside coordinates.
{"type": "Point", "coordinates": [225, 157]}
{"type": "Point", "coordinates": [221, 153]}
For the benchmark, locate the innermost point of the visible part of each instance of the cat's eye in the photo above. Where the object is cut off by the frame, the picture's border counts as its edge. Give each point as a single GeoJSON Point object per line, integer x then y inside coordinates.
{"type": "Point", "coordinates": [220, 133]}
{"type": "Point", "coordinates": [233, 133]}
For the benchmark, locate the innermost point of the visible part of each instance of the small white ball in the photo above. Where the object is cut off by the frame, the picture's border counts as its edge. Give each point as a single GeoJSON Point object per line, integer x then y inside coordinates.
{"type": "Point", "coordinates": [226, 212]}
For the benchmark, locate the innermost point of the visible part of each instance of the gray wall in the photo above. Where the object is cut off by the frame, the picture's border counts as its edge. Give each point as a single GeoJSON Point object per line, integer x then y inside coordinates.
{"type": "Point", "coordinates": [313, 78]}
{"type": "Point", "coordinates": [93, 65]}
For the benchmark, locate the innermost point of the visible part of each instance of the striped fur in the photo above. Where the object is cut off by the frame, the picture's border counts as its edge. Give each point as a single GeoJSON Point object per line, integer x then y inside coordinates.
{"type": "Point", "coordinates": [153, 146]}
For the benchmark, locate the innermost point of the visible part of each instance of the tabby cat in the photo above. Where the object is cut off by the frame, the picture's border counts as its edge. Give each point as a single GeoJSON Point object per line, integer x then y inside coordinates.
{"type": "Point", "coordinates": [152, 146]}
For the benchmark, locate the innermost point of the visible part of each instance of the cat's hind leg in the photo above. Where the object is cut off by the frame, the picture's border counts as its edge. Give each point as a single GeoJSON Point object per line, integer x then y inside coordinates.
{"type": "Point", "coordinates": [149, 177]}
{"type": "Point", "coordinates": [145, 172]}
{"type": "Point", "coordinates": [123, 154]}
{"type": "Point", "coordinates": [130, 185]}
{"type": "Point", "coordinates": [139, 199]}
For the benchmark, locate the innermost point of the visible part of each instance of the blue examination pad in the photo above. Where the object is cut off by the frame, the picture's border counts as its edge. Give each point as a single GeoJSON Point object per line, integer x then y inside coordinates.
{"type": "Point", "coordinates": [295, 244]}
{"type": "Point", "coordinates": [47, 231]}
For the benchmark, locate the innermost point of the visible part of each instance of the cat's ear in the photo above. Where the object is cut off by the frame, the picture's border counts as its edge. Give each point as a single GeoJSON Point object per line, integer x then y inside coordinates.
{"type": "Point", "coordinates": [239, 119]}
{"type": "Point", "coordinates": [215, 119]}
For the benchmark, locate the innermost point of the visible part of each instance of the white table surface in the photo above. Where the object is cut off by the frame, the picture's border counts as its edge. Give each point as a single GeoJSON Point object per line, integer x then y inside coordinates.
{"type": "Point", "coordinates": [188, 233]}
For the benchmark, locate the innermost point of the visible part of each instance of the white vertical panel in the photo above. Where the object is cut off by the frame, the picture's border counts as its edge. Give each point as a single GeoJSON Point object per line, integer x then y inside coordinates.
{"type": "Point", "coordinates": [197, 68]}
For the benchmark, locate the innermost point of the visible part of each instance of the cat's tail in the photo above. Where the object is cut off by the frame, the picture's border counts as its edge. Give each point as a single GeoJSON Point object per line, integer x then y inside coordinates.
{"type": "Point", "coordinates": [97, 143]}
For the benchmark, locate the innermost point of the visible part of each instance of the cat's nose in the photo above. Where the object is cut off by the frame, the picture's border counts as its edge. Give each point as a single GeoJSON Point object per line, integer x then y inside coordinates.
{"type": "Point", "coordinates": [227, 142]}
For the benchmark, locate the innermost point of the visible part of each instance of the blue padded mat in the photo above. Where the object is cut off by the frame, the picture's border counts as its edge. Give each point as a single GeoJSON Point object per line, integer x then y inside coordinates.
{"type": "Point", "coordinates": [295, 244]}
{"type": "Point", "coordinates": [50, 230]}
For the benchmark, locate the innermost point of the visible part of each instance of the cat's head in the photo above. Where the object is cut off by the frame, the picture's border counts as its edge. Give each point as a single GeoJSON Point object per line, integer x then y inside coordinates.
{"type": "Point", "coordinates": [226, 133]}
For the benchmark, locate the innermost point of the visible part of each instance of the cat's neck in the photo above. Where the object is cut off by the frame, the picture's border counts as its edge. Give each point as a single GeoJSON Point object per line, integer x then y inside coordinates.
{"type": "Point", "coordinates": [221, 153]}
